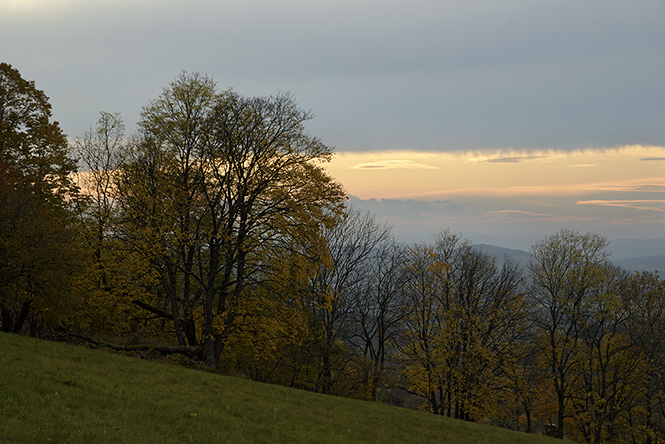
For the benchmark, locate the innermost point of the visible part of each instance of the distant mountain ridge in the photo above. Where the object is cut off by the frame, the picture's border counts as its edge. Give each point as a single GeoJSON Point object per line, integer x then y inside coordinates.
{"type": "Point", "coordinates": [520, 257]}
{"type": "Point", "coordinates": [647, 263]}
{"type": "Point", "coordinates": [631, 254]}
{"type": "Point", "coordinates": [636, 248]}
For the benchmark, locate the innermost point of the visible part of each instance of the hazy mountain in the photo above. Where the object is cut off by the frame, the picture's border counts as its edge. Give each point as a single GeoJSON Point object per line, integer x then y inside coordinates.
{"type": "Point", "coordinates": [520, 257]}
{"type": "Point", "coordinates": [648, 263]}
{"type": "Point", "coordinates": [631, 254]}
{"type": "Point", "coordinates": [636, 248]}
{"type": "Point", "coordinates": [639, 254]}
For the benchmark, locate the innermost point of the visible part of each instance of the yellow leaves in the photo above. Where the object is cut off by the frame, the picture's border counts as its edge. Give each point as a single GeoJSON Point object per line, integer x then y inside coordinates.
{"type": "Point", "coordinates": [218, 324]}
{"type": "Point", "coordinates": [462, 318]}
{"type": "Point", "coordinates": [269, 332]}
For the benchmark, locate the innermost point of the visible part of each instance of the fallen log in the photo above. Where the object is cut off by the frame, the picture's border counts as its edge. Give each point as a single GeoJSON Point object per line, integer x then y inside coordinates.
{"type": "Point", "coordinates": [194, 352]}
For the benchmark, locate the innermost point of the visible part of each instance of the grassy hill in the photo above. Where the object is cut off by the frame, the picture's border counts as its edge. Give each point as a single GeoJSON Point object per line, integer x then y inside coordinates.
{"type": "Point", "coordinates": [57, 393]}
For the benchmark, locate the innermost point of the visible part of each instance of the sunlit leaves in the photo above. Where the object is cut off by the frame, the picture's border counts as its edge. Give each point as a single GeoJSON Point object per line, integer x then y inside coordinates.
{"type": "Point", "coordinates": [463, 323]}
{"type": "Point", "coordinates": [217, 186]}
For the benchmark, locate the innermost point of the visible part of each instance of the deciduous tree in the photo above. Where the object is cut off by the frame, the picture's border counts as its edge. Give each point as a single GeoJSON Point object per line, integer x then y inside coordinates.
{"type": "Point", "coordinates": [377, 314]}
{"type": "Point", "coordinates": [101, 152]}
{"type": "Point", "coordinates": [30, 141]}
{"type": "Point", "coordinates": [644, 300]}
{"type": "Point", "coordinates": [567, 269]}
{"type": "Point", "coordinates": [352, 244]}
{"type": "Point", "coordinates": [217, 184]}
{"type": "Point", "coordinates": [38, 236]}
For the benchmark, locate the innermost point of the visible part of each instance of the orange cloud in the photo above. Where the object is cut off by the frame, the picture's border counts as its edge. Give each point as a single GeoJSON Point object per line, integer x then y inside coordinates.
{"type": "Point", "coordinates": [636, 204]}
{"type": "Point", "coordinates": [434, 175]}
{"type": "Point", "coordinates": [521, 214]}
{"type": "Point", "coordinates": [393, 164]}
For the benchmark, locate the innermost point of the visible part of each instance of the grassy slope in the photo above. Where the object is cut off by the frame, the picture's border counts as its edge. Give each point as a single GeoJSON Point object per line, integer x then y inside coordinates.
{"type": "Point", "coordinates": [51, 392]}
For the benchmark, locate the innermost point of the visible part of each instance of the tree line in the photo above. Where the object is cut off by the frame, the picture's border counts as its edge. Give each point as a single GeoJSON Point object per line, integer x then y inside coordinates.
{"type": "Point", "coordinates": [215, 237]}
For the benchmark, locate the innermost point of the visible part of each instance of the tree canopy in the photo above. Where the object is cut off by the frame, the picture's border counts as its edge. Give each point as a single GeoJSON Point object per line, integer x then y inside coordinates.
{"type": "Point", "coordinates": [216, 185]}
{"type": "Point", "coordinates": [38, 249]}
{"type": "Point", "coordinates": [30, 141]}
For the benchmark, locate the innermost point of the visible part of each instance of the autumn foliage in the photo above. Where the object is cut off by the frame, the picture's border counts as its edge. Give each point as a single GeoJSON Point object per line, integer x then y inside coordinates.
{"type": "Point", "coordinates": [216, 235]}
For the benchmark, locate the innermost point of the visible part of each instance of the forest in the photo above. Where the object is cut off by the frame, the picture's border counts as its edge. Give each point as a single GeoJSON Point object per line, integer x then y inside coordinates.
{"type": "Point", "coordinates": [214, 238]}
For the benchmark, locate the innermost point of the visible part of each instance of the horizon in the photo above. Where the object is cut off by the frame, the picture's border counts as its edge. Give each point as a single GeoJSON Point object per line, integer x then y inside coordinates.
{"type": "Point", "coordinates": [510, 198]}
{"type": "Point", "coordinates": [499, 121]}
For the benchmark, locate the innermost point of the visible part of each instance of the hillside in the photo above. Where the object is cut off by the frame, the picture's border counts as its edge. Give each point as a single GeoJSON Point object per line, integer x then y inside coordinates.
{"type": "Point", "coordinates": [54, 392]}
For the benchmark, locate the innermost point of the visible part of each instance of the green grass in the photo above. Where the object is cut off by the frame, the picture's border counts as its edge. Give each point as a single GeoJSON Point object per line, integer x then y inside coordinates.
{"type": "Point", "coordinates": [57, 393]}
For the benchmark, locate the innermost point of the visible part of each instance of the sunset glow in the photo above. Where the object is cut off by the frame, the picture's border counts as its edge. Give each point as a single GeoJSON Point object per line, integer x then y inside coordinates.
{"type": "Point", "coordinates": [605, 190]}
{"type": "Point", "coordinates": [433, 175]}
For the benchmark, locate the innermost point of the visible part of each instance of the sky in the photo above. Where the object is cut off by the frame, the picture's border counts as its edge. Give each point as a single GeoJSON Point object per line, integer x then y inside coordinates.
{"type": "Point", "coordinates": [511, 198]}
{"type": "Point", "coordinates": [502, 120]}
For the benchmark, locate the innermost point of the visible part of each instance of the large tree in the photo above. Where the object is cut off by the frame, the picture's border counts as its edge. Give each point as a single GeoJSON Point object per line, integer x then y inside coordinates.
{"type": "Point", "coordinates": [611, 367]}
{"type": "Point", "coordinates": [102, 152]}
{"type": "Point", "coordinates": [377, 315]}
{"type": "Point", "coordinates": [216, 185]}
{"type": "Point", "coordinates": [644, 300]}
{"type": "Point", "coordinates": [30, 141]}
{"type": "Point", "coordinates": [38, 255]}
{"type": "Point", "coordinates": [568, 269]}
{"type": "Point", "coordinates": [464, 319]}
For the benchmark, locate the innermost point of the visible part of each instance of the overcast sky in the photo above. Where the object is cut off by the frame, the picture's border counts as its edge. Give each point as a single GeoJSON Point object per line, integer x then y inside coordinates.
{"type": "Point", "coordinates": [500, 77]}
{"type": "Point", "coordinates": [378, 74]}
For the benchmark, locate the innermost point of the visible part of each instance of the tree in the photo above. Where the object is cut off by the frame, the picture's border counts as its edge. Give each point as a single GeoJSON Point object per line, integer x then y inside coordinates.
{"type": "Point", "coordinates": [352, 244]}
{"type": "Point", "coordinates": [30, 142]}
{"type": "Point", "coordinates": [273, 339]}
{"type": "Point", "coordinates": [37, 258]}
{"type": "Point", "coordinates": [643, 296]}
{"type": "Point", "coordinates": [423, 319]}
{"type": "Point", "coordinates": [101, 152]}
{"type": "Point", "coordinates": [377, 314]}
{"type": "Point", "coordinates": [567, 269]}
{"type": "Point", "coordinates": [465, 317]}
{"type": "Point", "coordinates": [218, 184]}
{"type": "Point", "coordinates": [38, 236]}
{"type": "Point", "coordinates": [610, 367]}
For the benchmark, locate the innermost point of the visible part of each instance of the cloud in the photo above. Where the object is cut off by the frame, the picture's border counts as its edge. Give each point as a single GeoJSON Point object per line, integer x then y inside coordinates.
{"type": "Point", "coordinates": [507, 215]}
{"type": "Point", "coordinates": [652, 158]}
{"type": "Point", "coordinates": [505, 160]}
{"type": "Point", "coordinates": [640, 223]}
{"type": "Point", "coordinates": [406, 207]}
{"type": "Point", "coordinates": [637, 204]}
{"type": "Point", "coordinates": [502, 158]}
{"type": "Point", "coordinates": [519, 213]}
{"type": "Point", "coordinates": [646, 185]}
{"type": "Point", "coordinates": [402, 75]}
{"type": "Point", "coordinates": [393, 165]}
{"type": "Point", "coordinates": [651, 188]}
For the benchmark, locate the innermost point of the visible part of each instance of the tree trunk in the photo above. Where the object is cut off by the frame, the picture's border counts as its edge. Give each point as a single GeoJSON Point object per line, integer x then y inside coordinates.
{"type": "Point", "coordinates": [560, 416]}
{"type": "Point", "coordinates": [22, 316]}
{"type": "Point", "coordinates": [6, 318]}
{"type": "Point", "coordinates": [171, 289]}
{"type": "Point", "coordinates": [527, 413]}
